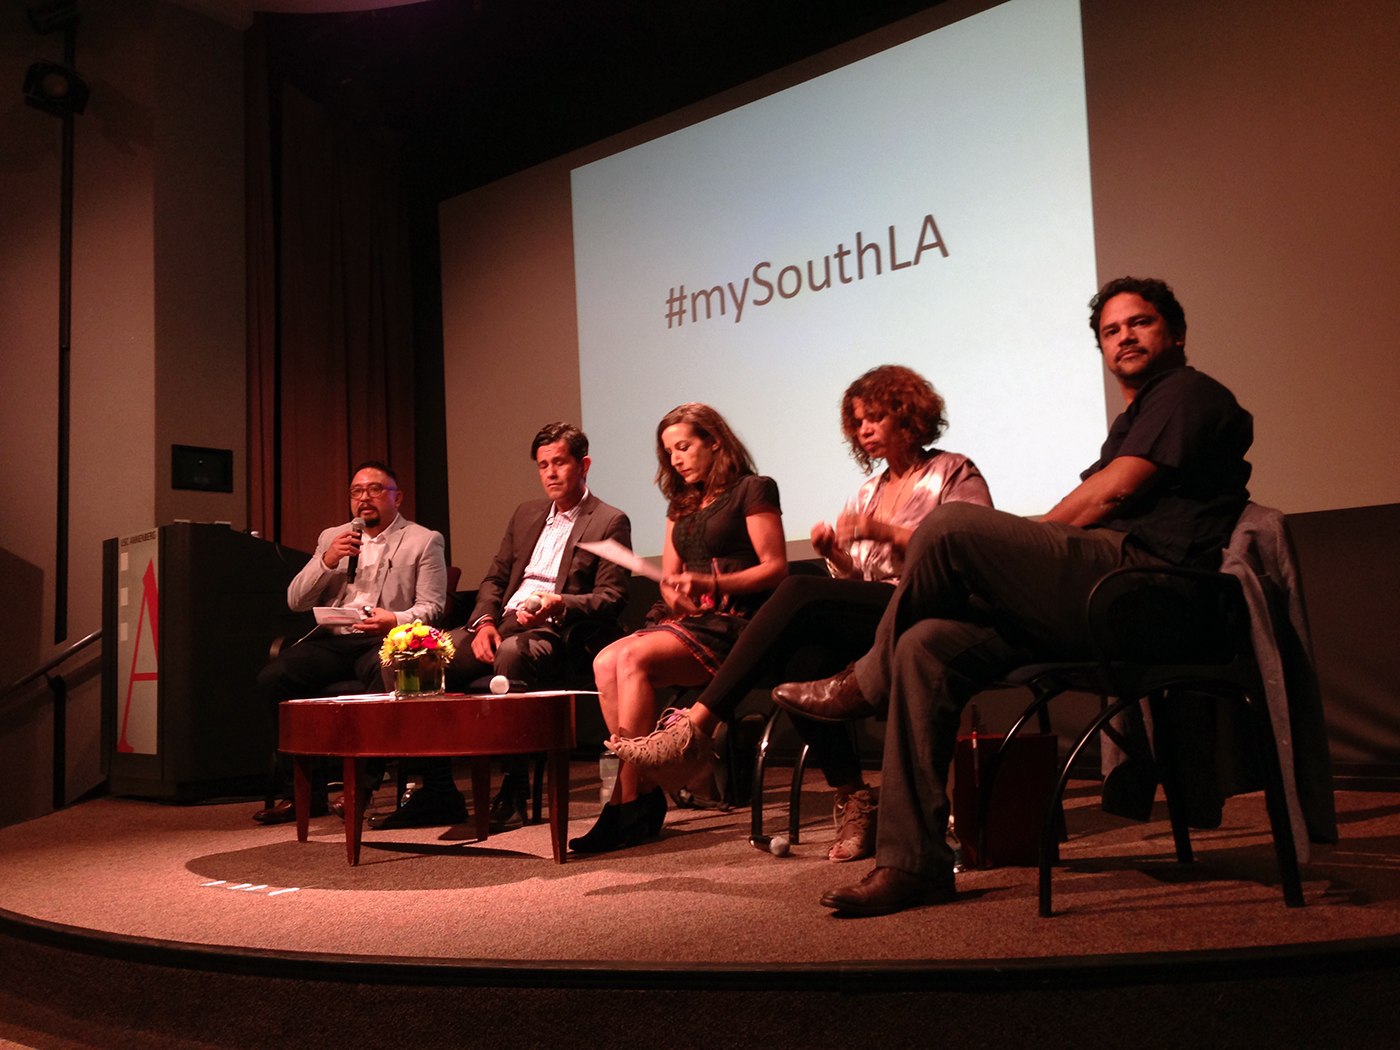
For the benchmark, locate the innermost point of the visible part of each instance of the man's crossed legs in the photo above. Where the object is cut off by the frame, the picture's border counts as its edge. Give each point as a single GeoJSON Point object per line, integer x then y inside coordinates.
{"type": "Point", "coordinates": [983, 592]}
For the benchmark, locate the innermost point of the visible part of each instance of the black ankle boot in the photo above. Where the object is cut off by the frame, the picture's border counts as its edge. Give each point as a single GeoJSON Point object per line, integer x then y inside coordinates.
{"type": "Point", "coordinates": [603, 837]}
{"type": "Point", "coordinates": [629, 824]}
{"type": "Point", "coordinates": [642, 818]}
{"type": "Point", "coordinates": [653, 812]}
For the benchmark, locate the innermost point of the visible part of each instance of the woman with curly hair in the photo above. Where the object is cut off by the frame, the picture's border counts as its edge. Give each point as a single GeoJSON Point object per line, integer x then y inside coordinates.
{"type": "Point", "coordinates": [891, 413]}
{"type": "Point", "coordinates": [724, 553]}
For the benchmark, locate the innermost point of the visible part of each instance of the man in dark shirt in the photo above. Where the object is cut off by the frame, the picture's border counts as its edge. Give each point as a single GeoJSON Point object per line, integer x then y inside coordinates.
{"type": "Point", "coordinates": [985, 591]}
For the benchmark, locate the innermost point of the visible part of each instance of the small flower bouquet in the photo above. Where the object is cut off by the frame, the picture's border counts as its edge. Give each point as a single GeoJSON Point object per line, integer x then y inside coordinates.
{"type": "Point", "coordinates": [417, 654]}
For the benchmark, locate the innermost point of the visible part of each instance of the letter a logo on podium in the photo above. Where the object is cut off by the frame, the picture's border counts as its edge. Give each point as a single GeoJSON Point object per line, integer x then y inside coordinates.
{"type": "Point", "coordinates": [139, 711]}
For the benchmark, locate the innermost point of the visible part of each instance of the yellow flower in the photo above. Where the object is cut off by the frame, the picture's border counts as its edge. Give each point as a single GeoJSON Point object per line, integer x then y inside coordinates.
{"type": "Point", "coordinates": [416, 638]}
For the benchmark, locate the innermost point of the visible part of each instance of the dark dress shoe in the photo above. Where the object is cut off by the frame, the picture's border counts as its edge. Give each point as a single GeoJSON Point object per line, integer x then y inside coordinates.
{"type": "Point", "coordinates": [509, 807]}
{"type": "Point", "coordinates": [425, 808]}
{"type": "Point", "coordinates": [887, 890]}
{"type": "Point", "coordinates": [337, 805]}
{"type": "Point", "coordinates": [835, 699]}
{"type": "Point", "coordinates": [285, 812]}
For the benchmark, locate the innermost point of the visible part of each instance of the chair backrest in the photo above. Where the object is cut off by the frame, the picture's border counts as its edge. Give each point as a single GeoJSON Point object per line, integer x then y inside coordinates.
{"type": "Point", "coordinates": [454, 577]}
{"type": "Point", "coordinates": [1169, 615]}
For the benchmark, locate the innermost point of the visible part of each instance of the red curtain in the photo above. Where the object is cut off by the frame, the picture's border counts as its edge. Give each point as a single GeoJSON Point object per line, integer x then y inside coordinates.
{"type": "Point", "coordinates": [342, 380]}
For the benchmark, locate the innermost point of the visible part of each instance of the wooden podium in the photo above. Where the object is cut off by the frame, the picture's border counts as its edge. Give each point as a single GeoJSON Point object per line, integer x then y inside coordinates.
{"type": "Point", "coordinates": [191, 610]}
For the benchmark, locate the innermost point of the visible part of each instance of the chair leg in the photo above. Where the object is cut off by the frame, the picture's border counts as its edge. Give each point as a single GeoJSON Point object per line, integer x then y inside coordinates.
{"type": "Point", "coordinates": [795, 797]}
{"type": "Point", "coordinates": [538, 799]}
{"type": "Point", "coordinates": [1048, 830]}
{"type": "Point", "coordinates": [1276, 802]}
{"type": "Point", "coordinates": [757, 838]}
{"type": "Point", "coordinates": [1170, 776]}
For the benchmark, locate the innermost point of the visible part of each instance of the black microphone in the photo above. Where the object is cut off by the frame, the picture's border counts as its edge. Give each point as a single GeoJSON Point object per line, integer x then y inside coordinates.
{"type": "Point", "coordinates": [358, 525]}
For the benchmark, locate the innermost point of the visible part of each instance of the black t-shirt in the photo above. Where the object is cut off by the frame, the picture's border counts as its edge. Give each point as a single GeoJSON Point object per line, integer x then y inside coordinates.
{"type": "Point", "coordinates": [1195, 431]}
{"type": "Point", "coordinates": [718, 535]}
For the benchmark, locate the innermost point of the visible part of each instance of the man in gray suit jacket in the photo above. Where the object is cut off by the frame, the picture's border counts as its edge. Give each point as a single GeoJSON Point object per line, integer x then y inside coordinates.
{"type": "Point", "coordinates": [391, 571]}
{"type": "Point", "coordinates": [539, 584]}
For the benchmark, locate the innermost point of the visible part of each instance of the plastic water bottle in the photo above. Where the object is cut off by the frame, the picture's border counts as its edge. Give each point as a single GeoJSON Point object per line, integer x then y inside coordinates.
{"type": "Point", "coordinates": [607, 773]}
{"type": "Point", "coordinates": [408, 789]}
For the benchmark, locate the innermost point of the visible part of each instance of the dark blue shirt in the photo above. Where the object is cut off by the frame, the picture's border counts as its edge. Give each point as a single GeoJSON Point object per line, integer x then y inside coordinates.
{"type": "Point", "coordinates": [1194, 430]}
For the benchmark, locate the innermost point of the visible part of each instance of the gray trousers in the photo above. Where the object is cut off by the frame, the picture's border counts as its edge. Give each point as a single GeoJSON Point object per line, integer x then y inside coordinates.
{"type": "Point", "coordinates": [983, 592]}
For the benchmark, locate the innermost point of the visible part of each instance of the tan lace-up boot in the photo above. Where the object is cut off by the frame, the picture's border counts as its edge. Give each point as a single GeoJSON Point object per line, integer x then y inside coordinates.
{"type": "Point", "coordinates": [855, 816]}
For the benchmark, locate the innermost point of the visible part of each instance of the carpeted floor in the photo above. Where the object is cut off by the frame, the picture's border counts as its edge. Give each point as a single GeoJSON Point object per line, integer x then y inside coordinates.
{"type": "Point", "coordinates": [699, 895]}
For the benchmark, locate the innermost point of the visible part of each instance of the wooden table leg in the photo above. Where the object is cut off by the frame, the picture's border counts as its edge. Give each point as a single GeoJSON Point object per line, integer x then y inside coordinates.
{"type": "Point", "coordinates": [559, 804]}
{"type": "Point", "coordinates": [301, 793]}
{"type": "Point", "coordinates": [354, 804]}
{"type": "Point", "coordinates": [481, 795]}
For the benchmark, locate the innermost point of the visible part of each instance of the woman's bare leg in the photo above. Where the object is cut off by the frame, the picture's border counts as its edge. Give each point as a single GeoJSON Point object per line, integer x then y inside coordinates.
{"type": "Point", "coordinates": [632, 669]}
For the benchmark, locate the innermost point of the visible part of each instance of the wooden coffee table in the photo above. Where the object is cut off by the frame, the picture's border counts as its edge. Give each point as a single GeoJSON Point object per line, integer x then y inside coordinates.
{"type": "Point", "coordinates": [359, 727]}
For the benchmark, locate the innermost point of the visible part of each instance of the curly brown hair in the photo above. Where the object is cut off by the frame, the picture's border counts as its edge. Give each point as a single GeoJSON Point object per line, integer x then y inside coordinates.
{"type": "Point", "coordinates": [731, 463]}
{"type": "Point", "coordinates": [899, 392]}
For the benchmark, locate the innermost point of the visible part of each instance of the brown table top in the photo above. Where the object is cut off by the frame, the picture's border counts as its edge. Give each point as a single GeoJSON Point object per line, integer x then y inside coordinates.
{"type": "Point", "coordinates": [447, 724]}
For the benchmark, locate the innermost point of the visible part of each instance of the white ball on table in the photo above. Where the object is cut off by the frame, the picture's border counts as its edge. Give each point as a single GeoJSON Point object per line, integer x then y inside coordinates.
{"type": "Point", "coordinates": [500, 684]}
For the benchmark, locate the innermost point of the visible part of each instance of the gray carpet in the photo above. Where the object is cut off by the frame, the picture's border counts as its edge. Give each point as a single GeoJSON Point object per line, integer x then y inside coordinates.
{"type": "Point", "coordinates": [700, 895]}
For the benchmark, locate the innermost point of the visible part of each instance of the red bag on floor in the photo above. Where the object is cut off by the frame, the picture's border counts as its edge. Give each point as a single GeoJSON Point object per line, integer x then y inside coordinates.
{"type": "Point", "coordinates": [1024, 778]}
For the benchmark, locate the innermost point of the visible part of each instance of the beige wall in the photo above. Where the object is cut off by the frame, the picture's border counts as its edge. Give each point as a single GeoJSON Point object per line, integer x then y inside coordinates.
{"type": "Point", "coordinates": [157, 347]}
{"type": "Point", "coordinates": [508, 369]}
{"type": "Point", "coordinates": [1246, 152]}
{"type": "Point", "coordinates": [1250, 153]}
{"type": "Point", "coordinates": [201, 358]}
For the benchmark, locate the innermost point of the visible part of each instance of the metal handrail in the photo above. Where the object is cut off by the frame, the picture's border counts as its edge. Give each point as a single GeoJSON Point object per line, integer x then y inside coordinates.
{"type": "Point", "coordinates": [58, 686]}
{"type": "Point", "coordinates": [51, 663]}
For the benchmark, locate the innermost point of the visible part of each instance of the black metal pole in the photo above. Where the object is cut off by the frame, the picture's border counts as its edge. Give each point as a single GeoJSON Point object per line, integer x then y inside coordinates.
{"type": "Point", "coordinates": [59, 687]}
{"type": "Point", "coordinates": [65, 326]}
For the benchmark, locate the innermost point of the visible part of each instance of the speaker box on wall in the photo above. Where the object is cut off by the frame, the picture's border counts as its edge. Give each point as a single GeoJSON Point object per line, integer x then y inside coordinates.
{"type": "Point", "coordinates": [201, 469]}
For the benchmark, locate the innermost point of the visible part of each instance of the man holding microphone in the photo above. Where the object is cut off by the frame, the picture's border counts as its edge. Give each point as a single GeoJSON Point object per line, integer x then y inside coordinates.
{"type": "Point", "coordinates": [390, 569]}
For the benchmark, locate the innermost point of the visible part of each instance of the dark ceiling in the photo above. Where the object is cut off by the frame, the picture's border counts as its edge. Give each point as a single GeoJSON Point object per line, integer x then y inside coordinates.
{"type": "Point", "coordinates": [484, 88]}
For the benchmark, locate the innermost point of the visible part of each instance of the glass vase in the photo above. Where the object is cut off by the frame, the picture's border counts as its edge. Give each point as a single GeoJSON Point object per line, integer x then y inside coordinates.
{"type": "Point", "coordinates": [417, 676]}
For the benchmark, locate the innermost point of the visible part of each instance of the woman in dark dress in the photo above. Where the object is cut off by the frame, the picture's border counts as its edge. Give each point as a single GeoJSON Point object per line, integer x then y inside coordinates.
{"type": "Point", "coordinates": [724, 554]}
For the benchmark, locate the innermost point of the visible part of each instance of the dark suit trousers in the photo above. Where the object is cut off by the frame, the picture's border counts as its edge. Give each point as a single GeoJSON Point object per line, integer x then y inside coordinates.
{"type": "Point", "coordinates": [983, 592]}
{"type": "Point", "coordinates": [307, 668]}
{"type": "Point", "coordinates": [312, 665]}
{"type": "Point", "coordinates": [530, 656]}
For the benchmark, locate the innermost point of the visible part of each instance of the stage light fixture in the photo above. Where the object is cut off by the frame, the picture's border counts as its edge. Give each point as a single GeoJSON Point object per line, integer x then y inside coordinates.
{"type": "Point", "coordinates": [55, 88]}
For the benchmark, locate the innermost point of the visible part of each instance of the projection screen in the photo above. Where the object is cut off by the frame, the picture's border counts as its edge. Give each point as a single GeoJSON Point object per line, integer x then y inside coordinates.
{"type": "Point", "coordinates": [928, 206]}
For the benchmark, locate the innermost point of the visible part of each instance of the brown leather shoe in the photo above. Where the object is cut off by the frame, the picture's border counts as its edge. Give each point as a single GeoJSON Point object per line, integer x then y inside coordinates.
{"type": "Point", "coordinates": [835, 699]}
{"type": "Point", "coordinates": [285, 812]}
{"type": "Point", "coordinates": [337, 804]}
{"type": "Point", "coordinates": [887, 890]}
